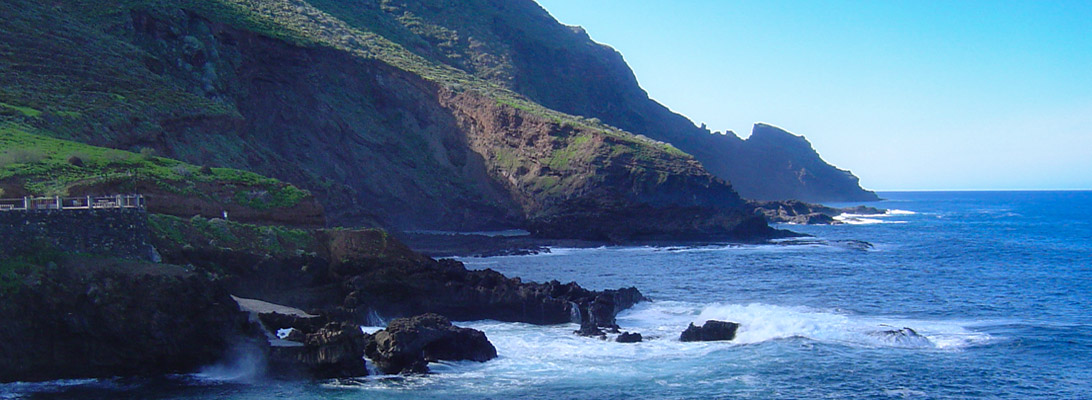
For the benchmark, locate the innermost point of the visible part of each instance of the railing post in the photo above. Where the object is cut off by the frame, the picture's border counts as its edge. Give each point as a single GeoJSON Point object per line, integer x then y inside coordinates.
{"type": "Point", "coordinates": [26, 203]}
{"type": "Point", "coordinates": [119, 201]}
{"type": "Point", "coordinates": [88, 202]}
{"type": "Point", "coordinates": [60, 205]}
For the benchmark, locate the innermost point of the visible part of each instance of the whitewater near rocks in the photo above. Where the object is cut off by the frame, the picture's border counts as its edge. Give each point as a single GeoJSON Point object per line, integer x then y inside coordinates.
{"type": "Point", "coordinates": [970, 297]}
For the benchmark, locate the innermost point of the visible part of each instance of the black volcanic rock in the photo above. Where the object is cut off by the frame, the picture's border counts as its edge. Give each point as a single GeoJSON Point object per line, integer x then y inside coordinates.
{"type": "Point", "coordinates": [93, 317]}
{"type": "Point", "coordinates": [798, 212]}
{"type": "Point", "coordinates": [364, 276]}
{"type": "Point", "coordinates": [407, 345]}
{"type": "Point", "coordinates": [712, 331]}
{"type": "Point", "coordinates": [905, 337]}
{"type": "Point", "coordinates": [335, 350]}
{"type": "Point", "coordinates": [628, 337]}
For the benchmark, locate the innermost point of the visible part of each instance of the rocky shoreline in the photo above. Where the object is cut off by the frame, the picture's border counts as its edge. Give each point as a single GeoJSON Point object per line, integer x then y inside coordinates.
{"type": "Point", "coordinates": [107, 316]}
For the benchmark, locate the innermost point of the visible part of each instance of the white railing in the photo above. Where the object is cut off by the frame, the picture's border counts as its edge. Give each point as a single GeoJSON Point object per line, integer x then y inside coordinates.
{"type": "Point", "coordinates": [73, 203]}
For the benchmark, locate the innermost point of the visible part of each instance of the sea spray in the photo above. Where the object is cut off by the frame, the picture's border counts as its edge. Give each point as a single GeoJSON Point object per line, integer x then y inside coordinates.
{"type": "Point", "coordinates": [244, 362]}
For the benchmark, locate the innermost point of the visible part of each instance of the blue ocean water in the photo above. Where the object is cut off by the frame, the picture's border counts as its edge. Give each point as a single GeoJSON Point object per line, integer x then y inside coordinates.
{"type": "Point", "coordinates": [999, 284]}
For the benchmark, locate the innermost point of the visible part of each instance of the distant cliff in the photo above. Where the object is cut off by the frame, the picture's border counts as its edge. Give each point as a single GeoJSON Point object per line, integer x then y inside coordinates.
{"type": "Point", "coordinates": [518, 45]}
{"type": "Point", "coordinates": [785, 166]}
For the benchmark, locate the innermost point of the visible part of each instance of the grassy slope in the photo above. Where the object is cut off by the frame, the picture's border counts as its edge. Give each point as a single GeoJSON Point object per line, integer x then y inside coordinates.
{"type": "Point", "coordinates": [40, 165]}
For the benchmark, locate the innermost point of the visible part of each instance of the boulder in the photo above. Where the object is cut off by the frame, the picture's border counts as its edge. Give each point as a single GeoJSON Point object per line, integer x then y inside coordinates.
{"type": "Point", "coordinates": [627, 337]}
{"type": "Point", "coordinates": [712, 331]}
{"type": "Point", "coordinates": [407, 345]}
{"type": "Point", "coordinates": [333, 351]}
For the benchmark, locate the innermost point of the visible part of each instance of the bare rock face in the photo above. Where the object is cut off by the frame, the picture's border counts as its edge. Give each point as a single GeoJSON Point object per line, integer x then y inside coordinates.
{"type": "Point", "coordinates": [407, 345]}
{"type": "Point", "coordinates": [712, 331]}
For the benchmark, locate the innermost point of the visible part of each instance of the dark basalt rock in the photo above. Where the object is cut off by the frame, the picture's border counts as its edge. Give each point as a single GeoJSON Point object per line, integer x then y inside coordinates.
{"type": "Point", "coordinates": [365, 276]}
{"type": "Point", "coordinates": [589, 329]}
{"type": "Point", "coordinates": [627, 337]}
{"type": "Point", "coordinates": [93, 317]}
{"type": "Point", "coordinates": [712, 331]}
{"type": "Point", "coordinates": [407, 345]}
{"type": "Point", "coordinates": [904, 337]}
{"type": "Point", "coordinates": [274, 321]}
{"type": "Point", "coordinates": [798, 212]}
{"type": "Point", "coordinates": [335, 350]}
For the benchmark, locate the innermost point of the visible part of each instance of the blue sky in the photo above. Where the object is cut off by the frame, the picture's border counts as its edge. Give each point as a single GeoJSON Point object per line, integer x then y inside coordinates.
{"type": "Point", "coordinates": [909, 95]}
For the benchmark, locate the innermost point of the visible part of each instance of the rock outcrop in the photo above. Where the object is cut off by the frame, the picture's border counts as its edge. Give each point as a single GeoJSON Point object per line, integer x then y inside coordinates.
{"type": "Point", "coordinates": [335, 350]}
{"type": "Point", "coordinates": [407, 345]}
{"type": "Point", "coordinates": [712, 330]}
{"type": "Point", "coordinates": [367, 276]}
{"type": "Point", "coordinates": [798, 212]}
{"type": "Point", "coordinates": [95, 317]}
{"type": "Point", "coordinates": [629, 337]}
{"type": "Point", "coordinates": [902, 337]}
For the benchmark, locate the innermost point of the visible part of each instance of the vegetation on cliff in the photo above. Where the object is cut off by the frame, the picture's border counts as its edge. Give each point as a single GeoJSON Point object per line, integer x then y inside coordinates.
{"type": "Point", "coordinates": [335, 97]}
{"type": "Point", "coordinates": [32, 164]}
{"type": "Point", "coordinates": [517, 45]}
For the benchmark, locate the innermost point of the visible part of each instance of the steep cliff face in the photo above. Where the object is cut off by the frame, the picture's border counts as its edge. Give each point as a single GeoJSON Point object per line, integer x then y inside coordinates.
{"type": "Point", "coordinates": [786, 166]}
{"type": "Point", "coordinates": [308, 92]}
{"type": "Point", "coordinates": [518, 45]}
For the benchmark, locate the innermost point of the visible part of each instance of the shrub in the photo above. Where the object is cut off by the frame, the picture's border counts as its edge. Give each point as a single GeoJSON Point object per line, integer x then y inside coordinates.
{"type": "Point", "coordinates": [76, 161]}
{"type": "Point", "coordinates": [181, 170]}
{"type": "Point", "coordinates": [147, 153]}
{"type": "Point", "coordinates": [21, 156]}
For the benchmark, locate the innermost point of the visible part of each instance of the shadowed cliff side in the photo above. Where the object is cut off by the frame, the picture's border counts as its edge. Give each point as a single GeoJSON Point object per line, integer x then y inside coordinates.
{"type": "Point", "coordinates": [518, 45]}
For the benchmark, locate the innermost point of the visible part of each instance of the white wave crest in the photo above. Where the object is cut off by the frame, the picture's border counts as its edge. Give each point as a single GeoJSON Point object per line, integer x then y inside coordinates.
{"type": "Point", "coordinates": [763, 322]}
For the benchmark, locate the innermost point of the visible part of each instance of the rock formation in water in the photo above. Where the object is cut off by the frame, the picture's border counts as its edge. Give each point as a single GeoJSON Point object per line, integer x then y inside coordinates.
{"type": "Point", "coordinates": [407, 345]}
{"type": "Point", "coordinates": [798, 212]}
{"type": "Point", "coordinates": [712, 330]}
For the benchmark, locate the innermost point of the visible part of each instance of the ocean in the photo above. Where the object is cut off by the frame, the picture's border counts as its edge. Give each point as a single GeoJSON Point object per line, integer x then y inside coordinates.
{"type": "Point", "coordinates": [997, 285]}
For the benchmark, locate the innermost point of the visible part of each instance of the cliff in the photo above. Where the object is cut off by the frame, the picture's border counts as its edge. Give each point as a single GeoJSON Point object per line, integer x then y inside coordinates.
{"type": "Point", "coordinates": [518, 45]}
{"type": "Point", "coordinates": [322, 95]}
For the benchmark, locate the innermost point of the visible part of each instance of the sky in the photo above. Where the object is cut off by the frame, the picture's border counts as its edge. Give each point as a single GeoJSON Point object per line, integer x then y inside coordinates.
{"type": "Point", "coordinates": [908, 95]}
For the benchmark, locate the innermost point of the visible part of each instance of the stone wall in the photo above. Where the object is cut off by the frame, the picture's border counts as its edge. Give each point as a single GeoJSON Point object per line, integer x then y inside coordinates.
{"type": "Point", "coordinates": [112, 232]}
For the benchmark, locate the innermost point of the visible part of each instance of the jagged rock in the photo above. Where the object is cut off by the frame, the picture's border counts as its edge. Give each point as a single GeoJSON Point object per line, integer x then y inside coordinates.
{"type": "Point", "coordinates": [334, 351]}
{"type": "Point", "coordinates": [360, 275]}
{"type": "Point", "coordinates": [407, 345]}
{"type": "Point", "coordinates": [712, 331]}
{"type": "Point", "coordinates": [798, 212]}
{"type": "Point", "coordinates": [589, 329]}
{"type": "Point", "coordinates": [905, 337]}
{"type": "Point", "coordinates": [627, 337]}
